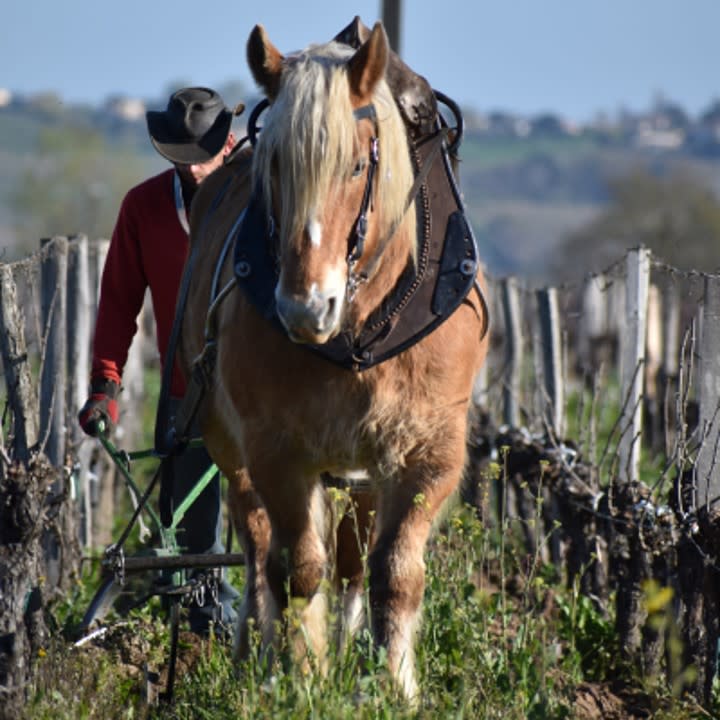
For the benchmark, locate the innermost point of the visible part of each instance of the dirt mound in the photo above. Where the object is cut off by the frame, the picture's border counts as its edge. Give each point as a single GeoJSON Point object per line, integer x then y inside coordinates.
{"type": "Point", "coordinates": [598, 702]}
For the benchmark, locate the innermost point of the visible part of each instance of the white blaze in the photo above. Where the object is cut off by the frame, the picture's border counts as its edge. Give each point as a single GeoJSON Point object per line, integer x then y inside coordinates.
{"type": "Point", "coordinates": [314, 231]}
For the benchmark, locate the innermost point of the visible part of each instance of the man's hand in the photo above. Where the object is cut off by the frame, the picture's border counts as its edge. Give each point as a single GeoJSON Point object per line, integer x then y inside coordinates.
{"type": "Point", "coordinates": [100, 406]}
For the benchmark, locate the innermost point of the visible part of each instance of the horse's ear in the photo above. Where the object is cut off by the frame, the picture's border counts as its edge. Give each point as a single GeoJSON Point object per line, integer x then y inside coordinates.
{"type": "Point", "coordinates": [265, 61]}
{"type": "Point", "coordinates": [355, 34]}
{"type": "Point", "coordinates": [367, 66]}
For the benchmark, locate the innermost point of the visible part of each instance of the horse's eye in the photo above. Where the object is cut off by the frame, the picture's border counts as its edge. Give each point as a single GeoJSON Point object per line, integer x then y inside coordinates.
{"type": "Point", "coordinates": [359, 167]}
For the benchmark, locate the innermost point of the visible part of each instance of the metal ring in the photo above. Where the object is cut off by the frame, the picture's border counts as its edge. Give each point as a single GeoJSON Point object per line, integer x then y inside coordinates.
{"type": "Point", "coordinates": [468, 267]}
{"type": "Point", "coordinates": [242, 269]}
{"type": "Point", "coordinates": [252, 127]}
{"type": "Point", "coordinates": [457, 114]}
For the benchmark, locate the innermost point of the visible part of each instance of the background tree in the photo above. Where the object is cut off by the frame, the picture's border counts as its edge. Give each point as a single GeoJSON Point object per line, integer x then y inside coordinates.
{"type": "Point", "coordinates": [75, 185]}
{"type": "Point", "coordinates": [677, 216]}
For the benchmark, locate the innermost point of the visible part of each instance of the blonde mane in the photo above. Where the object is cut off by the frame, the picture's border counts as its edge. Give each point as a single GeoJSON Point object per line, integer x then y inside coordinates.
{"type": "Point", "coordinates": [310, 132]}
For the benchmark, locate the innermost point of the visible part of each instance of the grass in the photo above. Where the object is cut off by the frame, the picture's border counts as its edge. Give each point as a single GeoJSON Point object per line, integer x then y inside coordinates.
{"type": "Point", "coordinates": [593, 422]}
{"type": "Point", "coordinates": [502, 637]}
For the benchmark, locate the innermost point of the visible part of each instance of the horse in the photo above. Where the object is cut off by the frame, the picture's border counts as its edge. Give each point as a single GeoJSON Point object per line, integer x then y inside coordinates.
{"type": "Point", "coordinates": [325, 214]}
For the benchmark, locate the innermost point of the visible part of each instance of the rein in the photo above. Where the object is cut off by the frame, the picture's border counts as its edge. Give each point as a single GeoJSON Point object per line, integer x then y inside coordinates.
{"type": "Point", "coordinates": [166, 438]}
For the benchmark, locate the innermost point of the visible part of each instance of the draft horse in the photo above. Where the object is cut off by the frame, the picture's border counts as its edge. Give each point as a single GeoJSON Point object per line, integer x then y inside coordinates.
{"type": "Point", "coordinates": [307, 252]}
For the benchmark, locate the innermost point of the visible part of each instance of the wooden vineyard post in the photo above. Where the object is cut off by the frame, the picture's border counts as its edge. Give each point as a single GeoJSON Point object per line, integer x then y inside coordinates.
{"type": "Point", "coordinates": [549, 358]}
{"type": "Point", "coordinates": [593, 332]}
{"type": "Point", "coordinates": [22, 398]}
{"type": "Point", "coordinates": [652, 400]}
{"type": "Point", "coordinates": [632, 357]}
{"type": "Point", "coordinates": [505, 494]}
{"type": "Point", "coordinates": [61, 539]}
{"type": "Point", "coordinates": [670, 368]}
{"type": "Point", "coordinates": [480, 383]}
{"type": "Point", "coordinates": [513, 351]}
{"type": "Point", "coordinates": [102, 480]}
{"type": "Point", "coordinates": [707, 483]}
{"type": "Point", "coordinates": [97, 252]}
{"type": "Point", "coordinates": [54, 361]}
{"type": "Point", "coordinates": [699, 556]}
{"type": "Point", "coordinates": [22, 495]}
{"type": "Point", "coordinates": [133, 393]}
{"type": "Point", "coordinates": [78, 340]}
{"type": "Point", "coordinates": [553, 401]}
{"type": "Point", "coordinates": [634, 566]}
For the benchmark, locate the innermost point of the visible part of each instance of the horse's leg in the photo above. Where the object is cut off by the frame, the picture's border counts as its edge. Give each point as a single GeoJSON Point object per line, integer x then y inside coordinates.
{"type": "Point", "coordinates": [407, 507]}
{"type": "Point", "coordinates": [353, 540]}
{"type": "Point", "coordinates": [297, 563]}
{"type": "Point", "coordinates": [252, 527]}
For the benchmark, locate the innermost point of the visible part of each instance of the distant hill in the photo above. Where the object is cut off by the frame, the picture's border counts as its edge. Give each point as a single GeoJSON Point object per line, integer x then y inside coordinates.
{"type": "Point", "coordinates": [526, 184]}
{"type": "Point", "coordinates": [525, 194]}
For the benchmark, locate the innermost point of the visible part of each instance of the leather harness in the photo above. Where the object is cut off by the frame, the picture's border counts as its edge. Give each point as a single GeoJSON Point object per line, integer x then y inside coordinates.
{"type": "Point", "coordinates": [428, 292]}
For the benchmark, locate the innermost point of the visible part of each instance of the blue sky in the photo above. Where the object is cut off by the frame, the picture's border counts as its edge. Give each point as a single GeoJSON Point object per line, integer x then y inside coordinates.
{"type": "Point", "coordinates": [575, 57]}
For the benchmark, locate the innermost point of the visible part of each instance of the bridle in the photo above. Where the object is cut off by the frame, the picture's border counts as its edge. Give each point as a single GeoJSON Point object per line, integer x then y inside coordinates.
{"type": "Point", "coordinates": [356, 240]}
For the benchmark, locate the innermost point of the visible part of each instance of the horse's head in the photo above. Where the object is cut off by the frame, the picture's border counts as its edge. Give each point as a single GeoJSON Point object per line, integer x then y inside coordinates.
{"type": "Point", "coordinates": [333, 166]}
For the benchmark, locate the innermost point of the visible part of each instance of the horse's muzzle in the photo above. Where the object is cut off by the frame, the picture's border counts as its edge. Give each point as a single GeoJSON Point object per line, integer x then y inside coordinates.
{"type": "Point", "coordinates": [312, 319]}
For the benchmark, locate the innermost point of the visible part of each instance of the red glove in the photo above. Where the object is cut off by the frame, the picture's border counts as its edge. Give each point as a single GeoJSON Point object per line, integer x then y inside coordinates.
{"type": "Point", "coordinates": [100, 406]}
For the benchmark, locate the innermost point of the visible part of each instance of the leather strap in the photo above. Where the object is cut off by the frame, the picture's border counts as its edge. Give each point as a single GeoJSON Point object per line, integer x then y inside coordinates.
{"type": "Point", "coordinates": [165, 437]}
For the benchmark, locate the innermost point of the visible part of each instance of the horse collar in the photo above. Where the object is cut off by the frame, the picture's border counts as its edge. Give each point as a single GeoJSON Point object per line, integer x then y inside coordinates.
{"type": "Point", "coordinates": [428, 291]}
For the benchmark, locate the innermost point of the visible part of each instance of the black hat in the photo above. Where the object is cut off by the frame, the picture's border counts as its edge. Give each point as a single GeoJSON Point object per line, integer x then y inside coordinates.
{"type": "Point", "coordinates": [193, 128]}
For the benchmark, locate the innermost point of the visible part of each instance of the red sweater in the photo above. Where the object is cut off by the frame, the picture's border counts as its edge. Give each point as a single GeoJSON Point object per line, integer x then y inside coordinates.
{"type": "Point", "coordinates": [148, 249]}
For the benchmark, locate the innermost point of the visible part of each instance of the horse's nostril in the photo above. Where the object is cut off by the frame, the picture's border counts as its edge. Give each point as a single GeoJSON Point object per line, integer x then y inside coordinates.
{"type": "Point", "coordinates": [332, 301]}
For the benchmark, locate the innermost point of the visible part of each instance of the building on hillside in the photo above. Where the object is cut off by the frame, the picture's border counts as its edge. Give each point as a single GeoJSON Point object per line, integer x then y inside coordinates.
{"type": "Point", "coordinates": [661, 139]}
{"type": "Point", "coordinates": [130, 109]}
{"type": "Point", "coordinates": [704, 138]}
{"type": "Point", "coordinates": [551, 125]}
{"type": "Point", "coordinates": [503, 124]}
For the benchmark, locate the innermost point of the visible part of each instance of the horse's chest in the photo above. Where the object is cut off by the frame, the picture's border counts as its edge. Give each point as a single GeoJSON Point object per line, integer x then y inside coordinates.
{"type": "Point", "coordinates": [317, 409]}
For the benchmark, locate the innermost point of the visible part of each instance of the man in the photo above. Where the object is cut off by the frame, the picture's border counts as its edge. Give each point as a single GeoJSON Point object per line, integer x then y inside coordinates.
{"type": "Point", "coordinates": [148, 249]}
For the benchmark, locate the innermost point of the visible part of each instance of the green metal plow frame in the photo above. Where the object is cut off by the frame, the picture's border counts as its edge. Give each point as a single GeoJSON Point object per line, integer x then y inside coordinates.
{"type": "Point", "coordinates": [166, 557]}
{"type": "Point", "coordinates": [168, 535]}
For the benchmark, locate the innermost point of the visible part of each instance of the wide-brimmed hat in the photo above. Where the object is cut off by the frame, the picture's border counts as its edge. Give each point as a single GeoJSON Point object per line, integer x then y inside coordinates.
{"type": "Point", "coordinates": [193, 128]}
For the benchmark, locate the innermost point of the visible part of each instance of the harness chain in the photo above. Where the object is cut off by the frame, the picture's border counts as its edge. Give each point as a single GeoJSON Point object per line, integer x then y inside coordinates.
{"type": "Point", "coordinates": [425, 249]}
{"type": "Point", "coordinates": [357, 246]}
{"type": "Point", "coordinates": [422, 171]}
